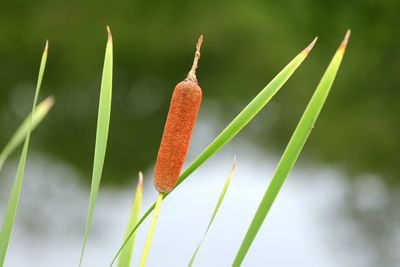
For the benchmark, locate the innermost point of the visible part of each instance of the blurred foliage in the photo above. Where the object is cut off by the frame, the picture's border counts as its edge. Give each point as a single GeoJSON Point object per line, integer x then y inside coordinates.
{"type": "Point", "coordinates": [246, 44]}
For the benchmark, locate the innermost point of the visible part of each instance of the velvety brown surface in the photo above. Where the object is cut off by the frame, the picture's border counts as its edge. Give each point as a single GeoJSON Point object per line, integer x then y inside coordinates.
{"type": "Point", "coordinates": [178, 128]}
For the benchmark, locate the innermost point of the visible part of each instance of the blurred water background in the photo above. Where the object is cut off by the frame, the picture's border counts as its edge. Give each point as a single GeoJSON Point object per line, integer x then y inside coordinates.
{"type": "Point", "coordinates": [338, 208]}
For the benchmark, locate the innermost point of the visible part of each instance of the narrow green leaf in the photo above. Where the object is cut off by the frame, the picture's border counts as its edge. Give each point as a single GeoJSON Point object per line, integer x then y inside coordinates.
{"type": "Point", "coordinates": [124, 259]}
{"type": "Point", "coordinates": [150, 233]}
{"type": "Point", "coordinates": [292, 150]}
{"type": "Point", "coordinates": [241, 120]}
{"type": "Point", "coordinates": [39, 114]}
{"type": "Point", "coordinates": [13, 199]}
{"type": "Point", "coordinates": [103, 122]}
{"type": "Point", "coordinates": [219, 202]}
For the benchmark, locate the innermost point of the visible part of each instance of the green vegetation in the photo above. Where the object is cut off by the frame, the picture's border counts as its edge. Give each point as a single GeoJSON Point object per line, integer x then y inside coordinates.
{"type": "Point", "coordinates": [124, 259]}
{"type": "Point", "coordinates": [152, 228]}
{"type": "Point", "coordinates": [217, 206]}
{"type": "Point", "coordinates": [27, 125]}
{"type": "Point", "coordinates": [288, 159]}
{"type": "Point", "coordinates": [13, 200]}
{"type": "Point", "coordinates": [237, 124]}
{"type": "Point", "coordinates": [103, 122]}
{"type": "Point", "coordinates": [292, 150]}
{"type": "Point", "coordinates": [124, 253]}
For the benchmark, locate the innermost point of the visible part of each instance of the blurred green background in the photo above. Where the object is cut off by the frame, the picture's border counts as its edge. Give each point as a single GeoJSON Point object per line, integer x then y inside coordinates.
{"type": "Point", "coordinates": [246, 44]}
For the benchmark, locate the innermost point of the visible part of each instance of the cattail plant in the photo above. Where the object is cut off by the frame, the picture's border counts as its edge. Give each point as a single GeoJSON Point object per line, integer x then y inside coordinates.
{"type": "Point", "coordinates": [178, 128]}
{"type": "Point", "coordinates": [233, 128]}
{"type": "Point", "coordinates": [183, 110]}
{"type": "Point", "coordinates": [182, 114]}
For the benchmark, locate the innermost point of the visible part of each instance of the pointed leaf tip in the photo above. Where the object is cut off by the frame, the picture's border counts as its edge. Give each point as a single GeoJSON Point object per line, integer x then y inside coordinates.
{"type": "Point", "coordinates": [345, 40]}
{"type": "Point", "coordinates": [109, 34]}
{"type": "Point", "coordinates": [49, 101]}
{"type": "Point", "coordinates": [46, 47]}
{"type": "Point", "coordinates": [311, 45]}
{"type": "Point", "coordinates": [140, 182]}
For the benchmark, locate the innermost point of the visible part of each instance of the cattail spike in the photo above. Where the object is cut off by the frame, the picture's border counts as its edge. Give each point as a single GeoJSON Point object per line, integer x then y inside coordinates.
{"type": "Point", "coordinates": [182, 114]}
{"type": "Point", "coordinates": [192, 73]}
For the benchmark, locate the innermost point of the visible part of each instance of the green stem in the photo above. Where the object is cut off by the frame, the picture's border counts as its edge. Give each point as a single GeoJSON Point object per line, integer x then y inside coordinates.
{"type": "Point", "coordinates": [151, 230]}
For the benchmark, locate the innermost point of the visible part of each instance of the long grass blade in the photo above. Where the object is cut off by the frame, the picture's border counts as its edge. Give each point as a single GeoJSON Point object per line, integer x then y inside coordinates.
{"type": "Point", "coordinates": [150, 233]}
{"type": "Point", "coordinates": [219, 202]}
{"type": "Point", "coordinates": [103, 122]}
{"type": "Point", "coordinates": [13, 200]}
{"type": "Point", "coordinates": [241, 120]}
{"type": "Point", "coordinates": [124, 259]}
{"type": "Point", "coordinates": [292, 150]}
{"type": "Point", "coordinates": [39, 114]}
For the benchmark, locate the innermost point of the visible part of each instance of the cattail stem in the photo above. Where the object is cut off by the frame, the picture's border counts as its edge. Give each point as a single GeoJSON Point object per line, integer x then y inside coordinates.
{"type": "Point", "coordinates": [192, 73]}
{"type": "Point", "coordinates": [151, 230]}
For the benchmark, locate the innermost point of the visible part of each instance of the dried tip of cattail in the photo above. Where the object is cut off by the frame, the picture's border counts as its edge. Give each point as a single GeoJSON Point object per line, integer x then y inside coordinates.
{"type": "Point", "coordinates": [199, 43]}
{"type": "Point", "coordinates": [234, 161]}
{"type": "Point", "coordinates": [345, 40]}
{"type": "Point", "coordinates": [192, 73]}
{"type": "Point", "coordinates": [109, 34]}
{"type": "Point", "coordinates": [49, 101]}
{"type": "Point", "coordinates": [311, 45]}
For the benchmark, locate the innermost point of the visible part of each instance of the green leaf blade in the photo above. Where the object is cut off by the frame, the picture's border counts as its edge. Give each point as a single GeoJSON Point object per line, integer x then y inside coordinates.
{"type": "Point", "coordinates": [292, 151]}
{"type": "Point", "coordinates": [124, 259]}
{"type": "Point", "coordinates": [13, 200]}
{"type": "Point", "coordinates": [248, 113]}
{"type": "Point", "coordinates": [240, 121]}
{"type": "Point", "coordinates": [150, 233]}
{"type": "Point", "coordinates": [103, 122]}
{"type": "Point", "coordinates": [216, 209]}
{"type": "Point", "coordinates": [18, 137]}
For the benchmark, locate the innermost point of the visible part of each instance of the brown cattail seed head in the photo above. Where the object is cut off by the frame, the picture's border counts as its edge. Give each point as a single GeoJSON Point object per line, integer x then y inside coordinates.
{"type": "Point", "coordinates": [181, 118]}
